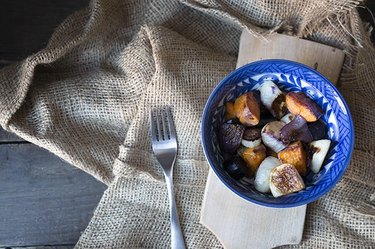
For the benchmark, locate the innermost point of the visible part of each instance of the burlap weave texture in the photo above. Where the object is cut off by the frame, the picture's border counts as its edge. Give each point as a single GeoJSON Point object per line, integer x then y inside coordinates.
{"type": "Point", "coordinates": [87, 96]}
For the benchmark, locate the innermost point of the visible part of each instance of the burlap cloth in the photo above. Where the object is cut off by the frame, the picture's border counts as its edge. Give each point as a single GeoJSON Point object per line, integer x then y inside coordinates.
{"type": "Point", "coordinates": [86, 97]}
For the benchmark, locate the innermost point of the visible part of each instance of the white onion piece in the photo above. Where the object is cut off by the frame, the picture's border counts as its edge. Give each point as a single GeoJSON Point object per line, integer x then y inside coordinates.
{"type": "Point", "coordinates": [320, 149]}
{"type": "Point", "coordinates": [251, 144]}
{"type": "Point", "coordinates": [262, 176]}
{"type": "Point", "coordinates": [268, 93]}
{"type": "Point", "coordinates": [271, 135]}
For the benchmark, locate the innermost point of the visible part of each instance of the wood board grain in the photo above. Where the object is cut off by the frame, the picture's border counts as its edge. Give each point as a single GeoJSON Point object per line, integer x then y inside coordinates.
{"type": "Point", "coordinates": [325, 59]}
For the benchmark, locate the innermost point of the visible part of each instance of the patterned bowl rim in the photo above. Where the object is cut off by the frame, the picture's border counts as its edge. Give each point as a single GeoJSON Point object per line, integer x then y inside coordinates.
{"type": "Point", "coordinates": [266, 204]}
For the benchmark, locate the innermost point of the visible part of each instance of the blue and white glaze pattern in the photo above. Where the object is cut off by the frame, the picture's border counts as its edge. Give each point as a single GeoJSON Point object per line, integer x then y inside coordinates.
{"type": "Point", "coordinates": [289, 76]}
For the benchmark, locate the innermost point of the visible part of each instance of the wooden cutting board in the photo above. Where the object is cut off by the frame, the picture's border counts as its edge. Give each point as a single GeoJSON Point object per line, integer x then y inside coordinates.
{"type": "Point", "coordinates": [239, 224]}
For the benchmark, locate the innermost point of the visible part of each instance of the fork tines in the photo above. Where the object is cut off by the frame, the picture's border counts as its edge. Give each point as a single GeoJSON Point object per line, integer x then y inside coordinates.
{"type": "Point", "coordinates": [162, 126]}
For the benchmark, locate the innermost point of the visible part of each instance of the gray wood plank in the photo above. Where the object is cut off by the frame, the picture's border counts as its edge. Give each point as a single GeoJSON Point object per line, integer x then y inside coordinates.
{"type": "Point", "coordinates": [25, 26]}
{"type": "Point", "coordinates": [43, 200]}
{"type": "Point", "coordinates": [7, 137]}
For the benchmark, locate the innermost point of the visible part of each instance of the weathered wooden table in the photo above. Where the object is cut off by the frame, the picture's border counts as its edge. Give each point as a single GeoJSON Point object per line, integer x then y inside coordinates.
{"type": "Point", "coordinates": [44, 202]}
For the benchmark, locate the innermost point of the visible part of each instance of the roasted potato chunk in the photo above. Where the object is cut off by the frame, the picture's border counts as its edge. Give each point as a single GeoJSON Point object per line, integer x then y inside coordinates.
{"type": "Point", "coordinates": [229, 110]}
{"type": "Point", "coordinates": [299, 103]}
{"type": "Point", "coordinates": [295, 154]}
{"type": "Point", "coordinates": [254, 157]}
{"type": "Point", "coordinates": [247, 109]}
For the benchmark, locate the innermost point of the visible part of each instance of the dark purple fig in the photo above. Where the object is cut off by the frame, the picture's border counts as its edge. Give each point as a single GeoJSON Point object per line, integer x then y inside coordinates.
{"type": "Point", "coordinates": [318, 130]}
{"type": "Point", "coordinates": [236, 167]}
{"type": "Point", "coordinates": [297, 129]}
{"type": "Point", "coordinates": [251, 138]}
{"type": "Point", "coordinates": [251, 134]}
{"type": "Point", "coordinates": [230, 136]}
{"type": "Point", "coordinates": [227, 155]}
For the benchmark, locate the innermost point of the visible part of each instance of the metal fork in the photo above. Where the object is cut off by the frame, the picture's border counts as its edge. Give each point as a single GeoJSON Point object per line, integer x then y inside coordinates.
{"type": "Point", "coordinates": [164, 145]}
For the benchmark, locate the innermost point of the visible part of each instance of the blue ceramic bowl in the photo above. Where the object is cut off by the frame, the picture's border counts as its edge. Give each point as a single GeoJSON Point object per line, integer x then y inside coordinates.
{"type": "Point", "coordinates": [289, 76]}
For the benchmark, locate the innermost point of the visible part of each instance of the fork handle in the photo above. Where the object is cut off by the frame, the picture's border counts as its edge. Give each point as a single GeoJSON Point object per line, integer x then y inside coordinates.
{"type": "Point", "coordinates": [177, 239]}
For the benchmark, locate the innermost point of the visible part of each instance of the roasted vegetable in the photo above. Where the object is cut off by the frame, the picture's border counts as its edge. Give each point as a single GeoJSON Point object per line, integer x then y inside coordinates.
{"type": "Point", "coordinates": [318, 130]}
{"type": "Point", "coordinates": [295, 154]}
{"type": "Point", "coordinates": [251, 138]}
{"type": "Point", "coordinates": [229, 110]}
{"type": "Point", "coordinates": [247, 109]}
{"type": "Point", "coordinates": [236, 167]}
{"type": "Point", "coordinates": [299, 103]}
{"type": "Point", "coordinates": [262, 176]}
{"type": "Point", "coordinates": [285, 179]}
{"type": "Point", "coordinates": [287, 118]}
{"type": "Point", "coordinates": [253, 157]}
{"type": "Point", "coordinates": [273, 99]}
{"type": "Point", "coordinates": [319, 150]}
{"type": "Point", "coordinates": [230, 136]}
{"type": "Point", "coordinates": [297, 129]}
{"type": "Point", "coordinates": [268, 134]}
{"type": "Point", "coordinates": [271, 135]}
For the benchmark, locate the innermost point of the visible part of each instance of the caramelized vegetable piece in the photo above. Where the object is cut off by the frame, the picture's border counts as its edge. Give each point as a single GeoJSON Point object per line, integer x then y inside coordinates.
{"type": "Point", "coordinates": [230, 136]}
{"type": "Point", "coordinates": [295, 130]}
{"type": "Point", "coordinates": [247, 109]}
{"type": "Point", "coordinates": [284, 179]}
{"type": "Point", "coordinates": [236, 167]}
{"type": "Point", "coordinates": [295, 154]}
{"type": "Point", "coordinates": [273, 99]}
{"type": "Point", "coordinates": [299, 103]}
{"type": "Point", "coordinates": [278, 108]}
{"type": "Point", "coordinates": [253, 157]}
{"type": "Point", "coordinates": [271, 135]}
{"type": "Point", "coordinates": [229, 109]}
